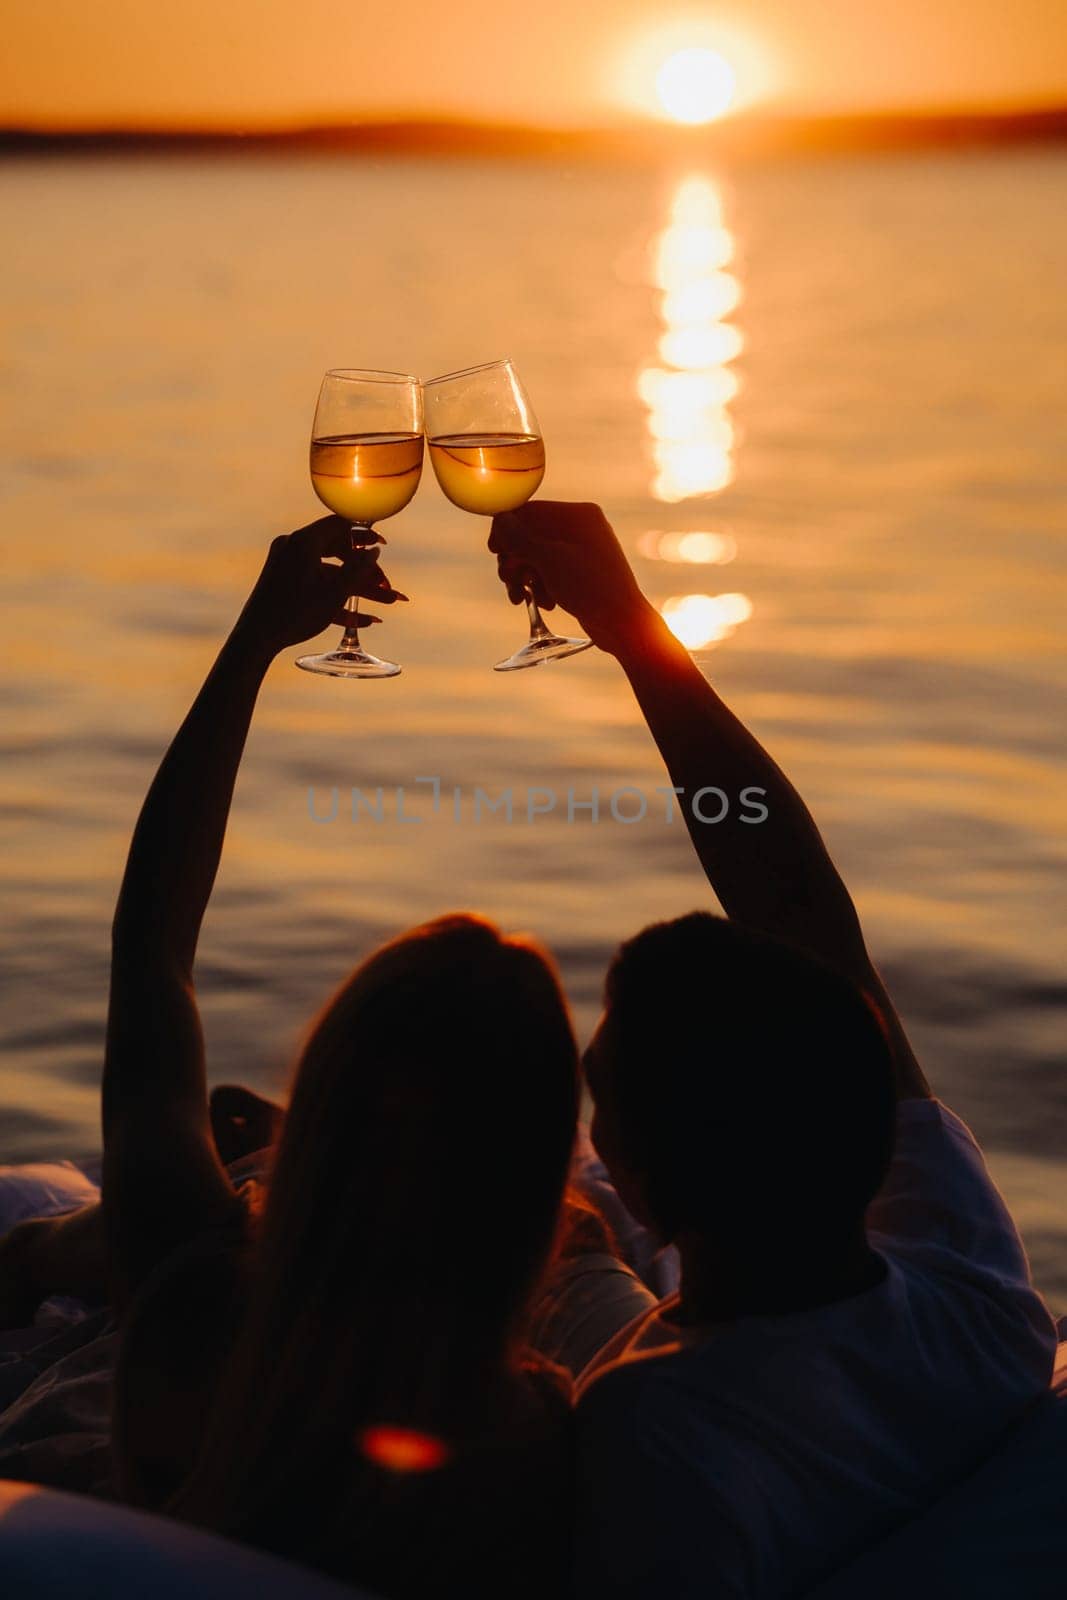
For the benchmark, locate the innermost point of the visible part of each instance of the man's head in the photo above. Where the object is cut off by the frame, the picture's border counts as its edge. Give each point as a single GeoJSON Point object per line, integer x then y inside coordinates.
{"type": "Point", "coordinates": [743, 1090]}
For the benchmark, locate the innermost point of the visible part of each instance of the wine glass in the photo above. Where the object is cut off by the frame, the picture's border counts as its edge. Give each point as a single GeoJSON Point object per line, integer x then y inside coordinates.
{"type": "Point", "coordinates": [366, 461]}
{"type": "Point", "coordinates": [489, 456]}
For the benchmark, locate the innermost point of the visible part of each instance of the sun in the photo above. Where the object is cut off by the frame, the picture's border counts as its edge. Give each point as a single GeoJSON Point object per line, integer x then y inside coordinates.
{"type": "Point", "coordinates": [696, 86]}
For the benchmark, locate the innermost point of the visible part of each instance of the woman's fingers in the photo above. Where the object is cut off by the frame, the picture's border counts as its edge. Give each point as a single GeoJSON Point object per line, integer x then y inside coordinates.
{"type": "Point", "coordinates": [362, 575]}
{"type": "Point", "coordinates": [329, 536]}
{"type": "Point", "coordinates": [379, 590]}
{"type": "Point", "coordinates": [332, 537]}
{"type": "Point", "coordinates": [355, 619]}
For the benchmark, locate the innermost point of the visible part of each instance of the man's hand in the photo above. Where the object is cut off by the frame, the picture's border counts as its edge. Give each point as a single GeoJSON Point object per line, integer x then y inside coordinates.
{"type": "Point", "coordinates": [568, 552]}
{"type": "Point", "coordinates": [242, 1122]}
{"type": "Point", "coordinates": [300, 592]}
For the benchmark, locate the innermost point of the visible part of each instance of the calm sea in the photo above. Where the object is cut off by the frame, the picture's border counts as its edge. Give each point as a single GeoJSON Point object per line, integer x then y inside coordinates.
{"type": "Point", "coordinates": [846, 376]}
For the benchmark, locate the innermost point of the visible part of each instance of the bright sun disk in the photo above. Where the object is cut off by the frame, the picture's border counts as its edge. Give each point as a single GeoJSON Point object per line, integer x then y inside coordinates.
{"type": "Point", "coordinates": [696, 86]}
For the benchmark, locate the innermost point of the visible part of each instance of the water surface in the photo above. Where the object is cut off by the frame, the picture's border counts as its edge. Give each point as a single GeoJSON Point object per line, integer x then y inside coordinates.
{"type": "Point", "coordinates": [871, 436]}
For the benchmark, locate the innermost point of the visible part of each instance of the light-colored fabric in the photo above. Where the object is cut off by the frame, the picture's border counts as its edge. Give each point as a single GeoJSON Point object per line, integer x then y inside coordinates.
{"type": "Point", "coordinates": [42, 1189]}
{"type": "Point", "coordinates": [654, 1263]}
{"type": "Point", "coordinates": [586, 1302]}
{"type": "Point", "coordinates": [589, 1298]}
{"type": "Point", "coordinates": [55, 1408]}
{"type": "Point", "coordinates": [55, 1377]}
{"type": "Point", "coordinates": [752, 1459]}
{"type": "Point", "coordinates": [53, 1546]}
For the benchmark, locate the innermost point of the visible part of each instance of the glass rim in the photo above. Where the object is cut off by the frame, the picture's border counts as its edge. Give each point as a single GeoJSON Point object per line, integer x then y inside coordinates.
{"type": "Point", "coordinates": [369, 375]}
{"type": "Point", "coordinates": [468, 372]}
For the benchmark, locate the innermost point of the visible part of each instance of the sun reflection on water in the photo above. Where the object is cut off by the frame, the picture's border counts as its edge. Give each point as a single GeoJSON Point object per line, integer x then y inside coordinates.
{"type": "Point", "coordinates": [703, 619]}
{"type": "Point", "coordinates": [688, 397]}
{"type": "Point", "coordinates": [695, 547]}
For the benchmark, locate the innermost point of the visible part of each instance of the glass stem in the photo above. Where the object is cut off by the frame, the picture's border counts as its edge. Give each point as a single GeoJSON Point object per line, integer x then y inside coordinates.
{"type": "Point", "coordinates": [350, 637]}
{"type": "Point", "coordinates": [361, 534]}
{"type": "Point", "coordinates": [537, 624]}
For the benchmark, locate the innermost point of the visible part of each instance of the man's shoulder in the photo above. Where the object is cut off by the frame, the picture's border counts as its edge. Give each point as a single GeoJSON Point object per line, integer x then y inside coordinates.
{"type": "Point", "coordinates": [626, 1383]}
{"type": "Point", "coordinates": [663, 1420]}
{"type": "Point", "coordinates": [643, 1384]}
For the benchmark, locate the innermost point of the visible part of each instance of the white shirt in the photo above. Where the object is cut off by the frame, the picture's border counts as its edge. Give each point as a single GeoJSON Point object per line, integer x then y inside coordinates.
{"type": "Point", "coordinates": [756, 1457]}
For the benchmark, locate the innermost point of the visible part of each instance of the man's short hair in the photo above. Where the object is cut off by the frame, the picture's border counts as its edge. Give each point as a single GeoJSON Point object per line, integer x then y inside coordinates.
{"type": "Point", "coordinates": [751, 1085]}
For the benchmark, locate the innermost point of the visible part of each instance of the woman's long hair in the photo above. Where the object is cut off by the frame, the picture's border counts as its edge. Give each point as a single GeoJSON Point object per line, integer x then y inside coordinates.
{"type": "Point", "coordinates": [412, 1208]}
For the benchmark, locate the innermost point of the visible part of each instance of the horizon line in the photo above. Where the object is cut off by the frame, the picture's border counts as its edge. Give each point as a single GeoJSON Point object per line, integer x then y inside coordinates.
{"type": "Point", "coordinates": [755, 131]}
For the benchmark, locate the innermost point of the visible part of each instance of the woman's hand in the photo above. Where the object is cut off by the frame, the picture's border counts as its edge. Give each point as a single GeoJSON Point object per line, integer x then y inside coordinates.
{"type": "Point", "coordinates": [300, 592]}
{"type": "Point", "coordinates": [569, 554]}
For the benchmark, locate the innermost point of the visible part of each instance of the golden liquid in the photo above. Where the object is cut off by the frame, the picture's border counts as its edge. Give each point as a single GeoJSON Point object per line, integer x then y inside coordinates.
{"type": "Point", "coordinates": [366, 476]}
{"type": "Point", "coordinates": [488, 472]}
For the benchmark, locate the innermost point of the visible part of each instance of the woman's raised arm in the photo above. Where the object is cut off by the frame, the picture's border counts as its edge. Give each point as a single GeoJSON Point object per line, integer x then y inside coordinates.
{"type": "Point", "coordinates": [162, 1177]}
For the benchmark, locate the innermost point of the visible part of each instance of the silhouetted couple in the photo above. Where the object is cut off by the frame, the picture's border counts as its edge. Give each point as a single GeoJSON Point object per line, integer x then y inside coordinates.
{"type": "Point", "coordinates": [346, 1373]}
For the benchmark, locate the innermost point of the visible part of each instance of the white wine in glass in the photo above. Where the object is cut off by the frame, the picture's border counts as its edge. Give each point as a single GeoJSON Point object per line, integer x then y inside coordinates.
{"type": "Point", "coordinates": [366, 476]}
{"type": "Point", "coordinates": [366, 461]}
{"type": "Point", "coordinates": [488, 456]}
{"type": "Point", "coordinates": [490, 472]}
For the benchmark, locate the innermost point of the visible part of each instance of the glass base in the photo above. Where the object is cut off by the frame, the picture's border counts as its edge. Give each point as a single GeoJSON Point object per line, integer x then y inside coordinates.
{"type": "Point", "coordinates": [349, 662]}
{"type": "Point", "coordinates": [544, 647]}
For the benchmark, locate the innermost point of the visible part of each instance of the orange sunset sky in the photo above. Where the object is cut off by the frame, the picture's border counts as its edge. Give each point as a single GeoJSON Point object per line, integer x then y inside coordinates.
{"type": "Point", "coordinates": [254, 63]}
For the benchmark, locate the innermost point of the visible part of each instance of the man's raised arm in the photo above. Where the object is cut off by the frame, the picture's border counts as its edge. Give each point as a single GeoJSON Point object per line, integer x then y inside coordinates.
{"type": "Point", "coordinates": [765, 858]}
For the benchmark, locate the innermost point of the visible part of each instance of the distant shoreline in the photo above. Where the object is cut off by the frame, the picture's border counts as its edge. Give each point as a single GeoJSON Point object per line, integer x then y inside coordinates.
{"type": "Point", "coordinates": [739, 137]}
